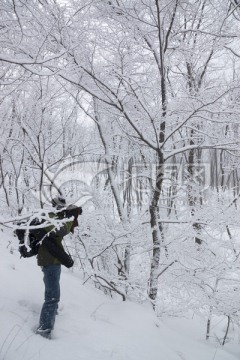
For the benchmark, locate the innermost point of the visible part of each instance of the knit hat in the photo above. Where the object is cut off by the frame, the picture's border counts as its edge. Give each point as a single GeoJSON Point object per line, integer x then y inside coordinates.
{"type": "Point", "coordinates": [59, 202]}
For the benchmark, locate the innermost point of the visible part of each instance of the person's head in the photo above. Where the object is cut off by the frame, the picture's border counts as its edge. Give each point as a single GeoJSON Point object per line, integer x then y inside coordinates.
{"type": "Point", "coordinates": [58, 202]}
{"type": "Point", "coordinates": [73, 211]}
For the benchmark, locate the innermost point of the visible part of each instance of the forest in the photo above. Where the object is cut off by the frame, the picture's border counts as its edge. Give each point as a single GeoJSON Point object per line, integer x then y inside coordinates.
{"type": "Point", "coordinates": [131, 110]}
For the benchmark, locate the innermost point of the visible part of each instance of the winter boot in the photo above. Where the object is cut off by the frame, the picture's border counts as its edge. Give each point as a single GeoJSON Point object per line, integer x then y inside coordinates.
{"type": "Point", "coordinates": [46, 333]}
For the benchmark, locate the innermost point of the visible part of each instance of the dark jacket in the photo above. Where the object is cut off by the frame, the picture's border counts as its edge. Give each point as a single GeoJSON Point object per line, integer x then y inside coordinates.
{"type": "Point", "coordinates": [51, 250]}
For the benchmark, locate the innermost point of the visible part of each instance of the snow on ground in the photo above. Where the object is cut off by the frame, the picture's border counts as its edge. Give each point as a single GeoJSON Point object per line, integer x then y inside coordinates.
{"type": "Point", "coordinates": [90, 325]}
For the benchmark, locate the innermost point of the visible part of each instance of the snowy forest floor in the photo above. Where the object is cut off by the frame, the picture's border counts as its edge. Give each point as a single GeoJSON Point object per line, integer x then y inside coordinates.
{"type": "Point", "coordinates": [90, 325]}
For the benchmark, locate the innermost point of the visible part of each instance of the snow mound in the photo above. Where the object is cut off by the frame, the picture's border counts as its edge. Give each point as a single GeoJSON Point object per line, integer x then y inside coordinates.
{"type": "Point", "coordinates": [90, 325]}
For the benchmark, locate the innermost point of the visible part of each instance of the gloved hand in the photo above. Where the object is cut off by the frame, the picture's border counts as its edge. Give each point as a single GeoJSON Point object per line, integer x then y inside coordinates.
{"type": "Point", "coordinates": [68, 262]}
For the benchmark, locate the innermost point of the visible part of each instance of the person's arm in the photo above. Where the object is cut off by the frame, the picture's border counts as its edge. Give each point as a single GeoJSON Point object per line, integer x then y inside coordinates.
{"type": "Point", "coordinates": [57, 251]}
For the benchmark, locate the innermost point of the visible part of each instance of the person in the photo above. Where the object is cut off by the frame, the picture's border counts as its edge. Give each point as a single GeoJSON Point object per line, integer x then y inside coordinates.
{"type": "Point", "coordinates": [51, 255]}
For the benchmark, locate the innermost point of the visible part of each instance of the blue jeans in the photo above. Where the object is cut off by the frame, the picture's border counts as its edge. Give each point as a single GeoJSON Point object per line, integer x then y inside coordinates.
{"type": "Point", "coordinates": [52, 296]}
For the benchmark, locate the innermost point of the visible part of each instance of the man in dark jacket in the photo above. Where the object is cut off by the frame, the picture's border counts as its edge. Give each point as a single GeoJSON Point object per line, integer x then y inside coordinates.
{"type": "Point", "coordinates": [51, 255]}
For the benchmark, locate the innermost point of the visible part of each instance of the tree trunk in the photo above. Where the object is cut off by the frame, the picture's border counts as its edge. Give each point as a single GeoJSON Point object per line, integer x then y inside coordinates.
{"type": "Point", "coordinates": [155, 227]}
